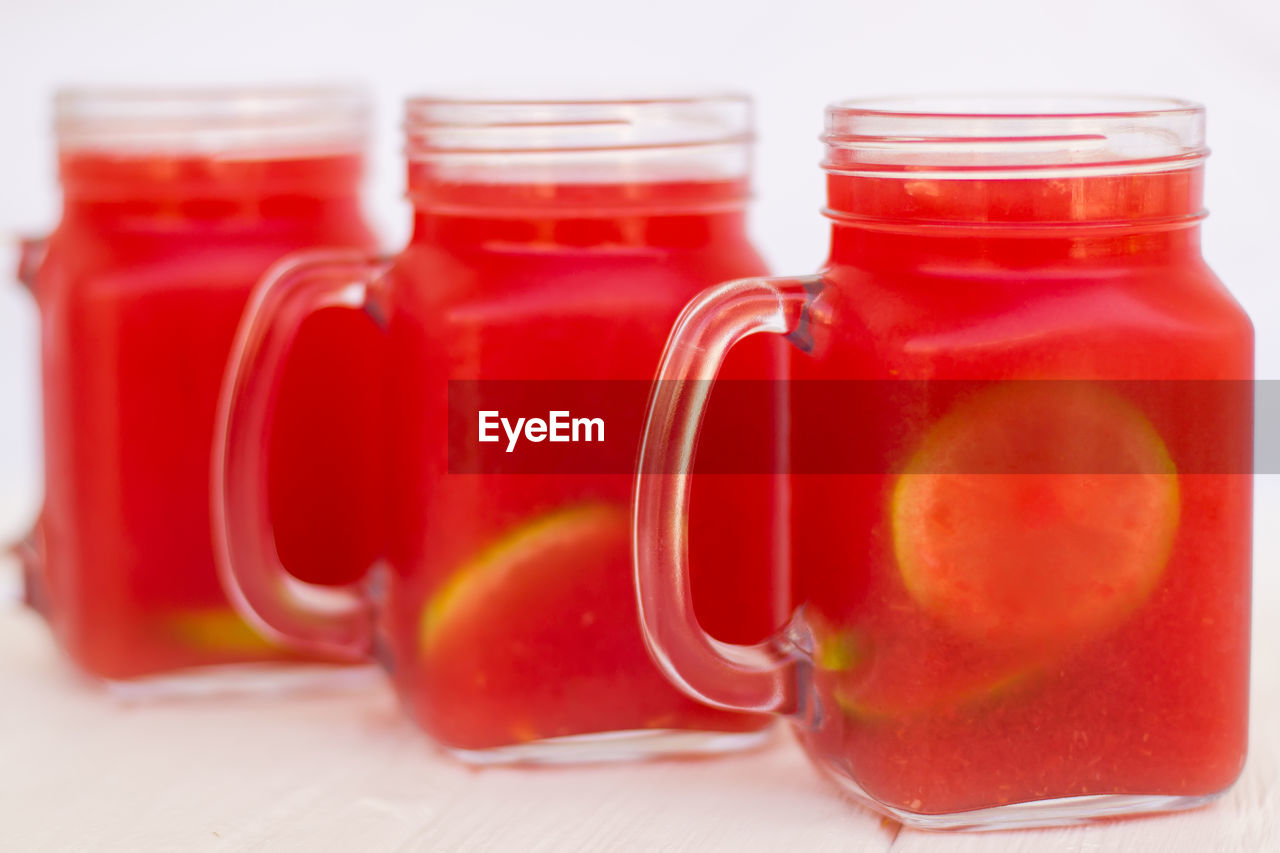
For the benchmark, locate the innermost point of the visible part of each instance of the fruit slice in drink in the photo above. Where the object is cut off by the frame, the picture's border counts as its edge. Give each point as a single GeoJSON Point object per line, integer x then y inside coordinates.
{"type": "Point", "coordinates": [538, 637]}
{"type": "Point", "coordinates": [1036, 514]}
{"type": "Point", "coordinates": [1033, 517]}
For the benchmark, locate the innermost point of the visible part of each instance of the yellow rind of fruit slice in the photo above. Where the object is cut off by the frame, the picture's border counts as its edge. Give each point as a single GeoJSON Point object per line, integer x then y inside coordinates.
{"type": "Point", "coordinates": [1035, 514]}
{"type": "Point", "coordinates": [524, 547]}
{"type": "Point", "coordinates": [910, 669]}
{"type": "Point", "coordinates": [974, 697]}
{"type": "Point", "coordinates": [839, 651]}
{"type": "Point", "coordinates": [215, 629]}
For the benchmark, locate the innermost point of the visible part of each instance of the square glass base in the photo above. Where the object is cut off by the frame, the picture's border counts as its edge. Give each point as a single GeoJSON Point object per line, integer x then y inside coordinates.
{"type": "Point", "coordinates": [635, 745]}
{"type": "Point", "coordinates": [1062, 811]}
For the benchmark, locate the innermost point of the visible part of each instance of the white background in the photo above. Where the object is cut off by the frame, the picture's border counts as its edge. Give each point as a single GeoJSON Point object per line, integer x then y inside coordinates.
{"type": "Point", "coordinates": [794, 56]}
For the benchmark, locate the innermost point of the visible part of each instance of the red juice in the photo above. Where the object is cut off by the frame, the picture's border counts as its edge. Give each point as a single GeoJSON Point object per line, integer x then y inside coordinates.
{"type": "Point", "coordinates": [511, 608]}
{"type": "Point", "coordinates": [140, 294]}
{"type": "Point", "coordinates": [962, 671]}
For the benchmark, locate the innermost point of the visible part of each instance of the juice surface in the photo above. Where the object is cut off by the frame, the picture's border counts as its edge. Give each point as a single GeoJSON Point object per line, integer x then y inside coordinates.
{"type": "Point", "coordinates": [140, 294]}
{"type": "Point", "coordinates": [984, 638]}
{"type": "Point", "coordinates": [512, 608]}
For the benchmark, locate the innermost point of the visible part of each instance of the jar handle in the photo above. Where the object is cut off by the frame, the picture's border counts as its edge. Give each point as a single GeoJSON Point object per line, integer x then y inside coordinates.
{"type": "Point", "coordinates": [334, 621]}
{"type": "Point", "coordinates": [31, 252]}
{"type": "Point", "coordinates": [29, 550]}
{"type": "Point", "coordinates": [747, 678]}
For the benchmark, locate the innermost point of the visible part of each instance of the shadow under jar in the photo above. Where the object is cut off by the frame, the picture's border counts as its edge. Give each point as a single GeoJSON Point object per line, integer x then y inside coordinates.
{"type": "Point", "coordinates": [1021, 456]}
{"type": "Point", "coordinates": [554, 243]}
{"type": "Point", "coordinates": [175, 202]}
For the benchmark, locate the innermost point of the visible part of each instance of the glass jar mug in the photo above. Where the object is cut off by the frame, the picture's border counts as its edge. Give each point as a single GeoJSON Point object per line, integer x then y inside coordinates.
{"type": "Point", "coordinates": [1021, 470]}
{"type": "Point", "coordinates": [175, 202]}
{"type": "Point", "coordinates": [554, 243]}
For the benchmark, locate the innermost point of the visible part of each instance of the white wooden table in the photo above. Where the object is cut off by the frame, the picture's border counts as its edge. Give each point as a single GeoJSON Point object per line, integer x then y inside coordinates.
{"type": "Point", "coordinates": [84, 771]}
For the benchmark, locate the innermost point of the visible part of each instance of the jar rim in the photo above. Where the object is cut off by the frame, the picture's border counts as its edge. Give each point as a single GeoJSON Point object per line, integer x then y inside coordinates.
{"type": "Point", "coordinates": [645, 139]}
{"type": "Point", "coordinates": [442, 124]}
{"type": "Point", "coordinates": [1012, 135]}
{"type": "Point", "coordinates": [257, 120]}
{"type": "Point", "coordinates": [620, 100]}
{"type": "Point", "coordinates": [1110, 105]}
